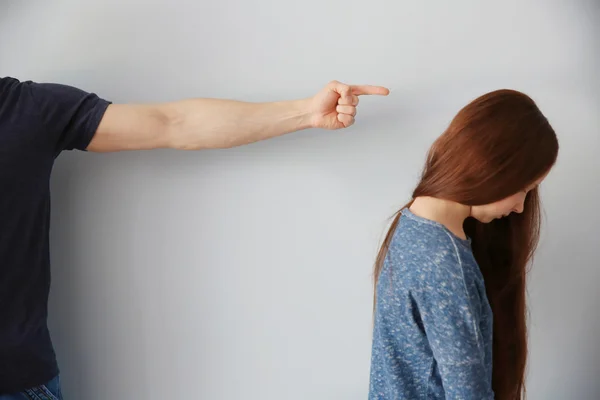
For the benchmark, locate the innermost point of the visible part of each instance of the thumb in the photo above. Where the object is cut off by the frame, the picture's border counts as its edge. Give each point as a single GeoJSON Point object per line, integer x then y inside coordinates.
{"type": "Point", "coordinates": [344, 91]}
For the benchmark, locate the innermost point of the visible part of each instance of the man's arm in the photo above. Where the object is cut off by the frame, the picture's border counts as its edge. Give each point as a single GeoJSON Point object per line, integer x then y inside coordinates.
{"type": "Point", "coordinates": [212, 123]}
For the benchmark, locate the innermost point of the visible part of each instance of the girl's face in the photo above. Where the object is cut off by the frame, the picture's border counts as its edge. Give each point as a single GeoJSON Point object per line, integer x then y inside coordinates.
{"type": "Point", "coordinates": [502, 208]}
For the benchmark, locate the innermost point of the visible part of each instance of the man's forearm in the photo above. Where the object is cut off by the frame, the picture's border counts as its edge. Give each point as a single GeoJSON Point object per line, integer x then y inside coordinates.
{"type": "Point", "coordinates": [213, 123]}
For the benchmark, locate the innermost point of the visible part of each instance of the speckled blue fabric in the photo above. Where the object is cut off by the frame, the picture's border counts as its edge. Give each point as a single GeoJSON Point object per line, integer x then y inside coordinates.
{"type": "Point", "coordinates": [432, 337]}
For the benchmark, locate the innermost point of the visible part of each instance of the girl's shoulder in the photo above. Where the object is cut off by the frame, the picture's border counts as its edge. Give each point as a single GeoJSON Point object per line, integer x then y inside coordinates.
{"type": "Point", "coordinates": [425, 250]}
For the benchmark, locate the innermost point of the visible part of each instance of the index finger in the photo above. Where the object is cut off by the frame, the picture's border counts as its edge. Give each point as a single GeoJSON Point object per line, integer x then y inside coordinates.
{"type": "Point", "coordinates": [360, 90]}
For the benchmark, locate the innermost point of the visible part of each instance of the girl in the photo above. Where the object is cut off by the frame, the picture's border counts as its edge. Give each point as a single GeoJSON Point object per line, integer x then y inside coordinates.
{"type": "Point", "coordinates": [450, 275]}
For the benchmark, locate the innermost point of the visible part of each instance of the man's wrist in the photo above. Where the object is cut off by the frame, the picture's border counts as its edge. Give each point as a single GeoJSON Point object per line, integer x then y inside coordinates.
{"type": "Point", "coordinates": [302, 109]}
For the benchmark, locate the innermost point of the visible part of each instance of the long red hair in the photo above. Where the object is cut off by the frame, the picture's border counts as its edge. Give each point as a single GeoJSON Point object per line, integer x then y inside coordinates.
{"type": "Point", "coordinates": [494, 147]}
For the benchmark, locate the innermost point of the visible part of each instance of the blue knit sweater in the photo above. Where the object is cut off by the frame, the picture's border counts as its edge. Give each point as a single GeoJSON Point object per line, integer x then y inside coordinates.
{"type": "Point", "coordinates": [433, 324]}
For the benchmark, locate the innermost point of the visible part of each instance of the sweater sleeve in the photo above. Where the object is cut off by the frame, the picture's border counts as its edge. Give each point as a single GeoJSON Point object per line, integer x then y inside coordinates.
{"type": "Point", "coordinates": [452, 329]}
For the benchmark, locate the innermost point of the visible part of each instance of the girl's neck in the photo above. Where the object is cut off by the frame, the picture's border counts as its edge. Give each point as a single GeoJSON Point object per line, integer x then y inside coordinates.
{"type": "Point", "coordinates": [448, 213]}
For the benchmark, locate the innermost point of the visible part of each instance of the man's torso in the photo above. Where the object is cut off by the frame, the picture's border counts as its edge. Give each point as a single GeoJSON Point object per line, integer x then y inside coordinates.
{"type": "Point", "coordinates": [37, 122]}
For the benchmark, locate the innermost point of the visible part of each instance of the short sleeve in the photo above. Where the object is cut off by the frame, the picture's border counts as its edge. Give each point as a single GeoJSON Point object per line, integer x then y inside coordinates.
{"type": "Point", "coordinates": [69, 116]}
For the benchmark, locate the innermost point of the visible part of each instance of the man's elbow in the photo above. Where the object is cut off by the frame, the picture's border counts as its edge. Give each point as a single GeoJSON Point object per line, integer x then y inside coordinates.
{"type": "Point", "coordinates": [171, 129]}
{"type": "Point", "coordinates": [179, 131]}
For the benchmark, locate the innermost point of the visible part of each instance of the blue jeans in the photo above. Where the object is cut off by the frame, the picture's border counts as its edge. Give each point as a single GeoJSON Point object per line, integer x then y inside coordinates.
{"type": "Point", "coordinates": [49, 391]}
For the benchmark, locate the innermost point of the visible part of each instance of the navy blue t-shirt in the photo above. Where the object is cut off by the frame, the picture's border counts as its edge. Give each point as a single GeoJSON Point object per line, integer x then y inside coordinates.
{"type": "Point", "coordinates": [37, 122]}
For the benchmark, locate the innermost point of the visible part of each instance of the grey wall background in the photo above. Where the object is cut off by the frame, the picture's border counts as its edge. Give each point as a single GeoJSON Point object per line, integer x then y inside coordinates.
{"type": "Point", "coordinates": [245, 274]}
